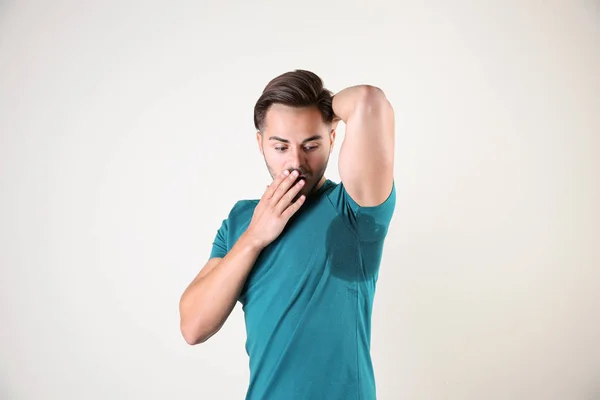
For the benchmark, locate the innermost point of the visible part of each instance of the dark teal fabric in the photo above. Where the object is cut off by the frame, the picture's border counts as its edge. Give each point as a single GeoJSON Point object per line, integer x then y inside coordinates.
{"type": "Point", "coordinates": [308, 299]}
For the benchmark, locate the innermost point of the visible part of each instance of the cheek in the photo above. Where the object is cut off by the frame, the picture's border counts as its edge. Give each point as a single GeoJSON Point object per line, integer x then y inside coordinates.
{"type": "Point", "coordinates": [318, 163]}
{"type": "Point", "coordinates": [276, 161]}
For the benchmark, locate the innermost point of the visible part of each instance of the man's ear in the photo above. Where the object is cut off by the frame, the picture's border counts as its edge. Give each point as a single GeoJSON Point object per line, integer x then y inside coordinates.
{"type": "Point", "coordinates": [331, 139]}
{"type": "Point", "coordinates": [259, 141]}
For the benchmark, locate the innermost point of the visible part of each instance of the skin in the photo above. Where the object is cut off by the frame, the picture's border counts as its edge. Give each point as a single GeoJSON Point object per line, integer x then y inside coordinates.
{"type": "Point", "coordinates": [366, 161]}
{"type": "Point", "coordinates": [297, 139]}
{"type": "Point", "coordinates": [288, 143]}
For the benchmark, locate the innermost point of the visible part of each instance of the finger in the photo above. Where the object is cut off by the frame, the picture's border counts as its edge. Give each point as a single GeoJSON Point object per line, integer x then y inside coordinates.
{"type": "Point", "coordinates": [289, 196]}
{"type": "Point", "coordinates": [295, 206]}
{"type": "Point", "coordinates": [283, 187]}
{"type": "Point", "coordinates": [275, 184]}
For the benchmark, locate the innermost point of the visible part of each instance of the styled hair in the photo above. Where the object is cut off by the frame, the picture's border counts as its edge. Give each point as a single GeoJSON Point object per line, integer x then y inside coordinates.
{"type": "Point", "coordinates": [298, 88]}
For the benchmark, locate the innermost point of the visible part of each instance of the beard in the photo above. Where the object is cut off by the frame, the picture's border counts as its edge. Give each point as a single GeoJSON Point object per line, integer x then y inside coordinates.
{"type": "Point", "coordinates": [310, 185]}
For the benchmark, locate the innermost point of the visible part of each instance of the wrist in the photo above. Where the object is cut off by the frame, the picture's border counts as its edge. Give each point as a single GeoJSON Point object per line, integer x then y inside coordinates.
{"type": "Point", "coordinates": [252, 242]}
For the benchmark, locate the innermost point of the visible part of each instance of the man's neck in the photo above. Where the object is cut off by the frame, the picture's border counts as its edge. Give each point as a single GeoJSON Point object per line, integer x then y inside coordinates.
{"type": "Point", "coordinates": [321, 182]}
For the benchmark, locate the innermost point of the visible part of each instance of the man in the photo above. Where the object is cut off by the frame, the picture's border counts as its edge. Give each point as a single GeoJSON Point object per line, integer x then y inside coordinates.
{"type": "Point", "coordinates": [303, 259]}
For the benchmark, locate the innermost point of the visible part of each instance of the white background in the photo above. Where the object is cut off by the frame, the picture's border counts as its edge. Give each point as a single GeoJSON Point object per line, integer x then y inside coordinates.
{"type": "Point", "coordinates": [126, 136]}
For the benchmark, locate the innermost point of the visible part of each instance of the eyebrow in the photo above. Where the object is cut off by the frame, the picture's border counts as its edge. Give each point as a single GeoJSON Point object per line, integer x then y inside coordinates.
{"type": "Point", "coordinates": [310, 139]}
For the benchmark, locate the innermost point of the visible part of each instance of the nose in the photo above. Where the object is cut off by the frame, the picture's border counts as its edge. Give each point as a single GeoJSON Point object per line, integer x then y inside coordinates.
{"type": "Point", "coordinates": [296, 160]}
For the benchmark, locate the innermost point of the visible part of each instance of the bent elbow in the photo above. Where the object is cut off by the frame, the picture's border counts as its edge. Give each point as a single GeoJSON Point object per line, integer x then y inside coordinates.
{"type": "Point", "coordinates": [372, 100]}
{"type": "Point", "coordinates": [198, 333]}
{"type": "Point", "coordinates": [192, 337]}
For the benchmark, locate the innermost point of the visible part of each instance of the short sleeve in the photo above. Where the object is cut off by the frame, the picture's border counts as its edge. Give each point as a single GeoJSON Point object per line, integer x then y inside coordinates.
{"type": "Point", "coordinates": [219, 245]}
{"type": "Point", "coordinates": [368, 223]}
{"type": "Point", "coordinates": [231, 227]}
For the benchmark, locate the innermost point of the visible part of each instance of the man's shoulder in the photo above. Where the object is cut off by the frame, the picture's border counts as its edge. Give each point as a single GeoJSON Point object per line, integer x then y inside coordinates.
{"type": "Point", "coordinates": [242, 208]}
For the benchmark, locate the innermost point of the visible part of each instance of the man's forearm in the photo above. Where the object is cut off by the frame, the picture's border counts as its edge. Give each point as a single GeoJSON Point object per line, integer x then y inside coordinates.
{"type": "Point", "coordinates": [208, 301]}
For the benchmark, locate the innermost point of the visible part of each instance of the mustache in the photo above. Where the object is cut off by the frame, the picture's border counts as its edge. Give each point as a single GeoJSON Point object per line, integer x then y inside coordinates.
{"type": "Point", "coordinates": [301, 173]}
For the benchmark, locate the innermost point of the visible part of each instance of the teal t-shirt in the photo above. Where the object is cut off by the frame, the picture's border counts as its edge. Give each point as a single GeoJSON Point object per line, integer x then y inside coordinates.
{"type": "Point", "coordinates": [307, 301]}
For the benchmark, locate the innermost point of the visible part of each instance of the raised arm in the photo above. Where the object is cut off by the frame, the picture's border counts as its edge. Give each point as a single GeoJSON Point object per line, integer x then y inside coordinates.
{"type": "Point", "coordinates": [366, 161]}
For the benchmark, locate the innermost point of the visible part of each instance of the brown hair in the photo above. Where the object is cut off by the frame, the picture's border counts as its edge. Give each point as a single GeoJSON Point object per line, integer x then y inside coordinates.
{"type": "Point", "coordinates": [298, 88]}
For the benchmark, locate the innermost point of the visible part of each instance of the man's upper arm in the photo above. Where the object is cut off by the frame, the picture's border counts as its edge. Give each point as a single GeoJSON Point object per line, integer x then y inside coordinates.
{"type": "Point", "coordinates": [219, 244]}
{"type": "Point", "coordinates": [366, 161]}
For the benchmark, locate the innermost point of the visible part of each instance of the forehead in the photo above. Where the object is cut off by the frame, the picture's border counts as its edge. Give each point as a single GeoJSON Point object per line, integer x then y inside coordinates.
{"type": "Point", "coordinates": [294, 121]}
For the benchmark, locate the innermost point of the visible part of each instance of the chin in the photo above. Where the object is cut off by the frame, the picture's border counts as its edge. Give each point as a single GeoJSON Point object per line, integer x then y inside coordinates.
{"type": "Point", "coordinates": [309, 187]}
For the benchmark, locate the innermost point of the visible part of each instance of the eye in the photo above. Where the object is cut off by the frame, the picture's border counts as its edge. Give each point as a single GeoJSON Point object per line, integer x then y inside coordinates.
{"type": "Point", "coordinates": [310, 148]}
{"type": "Point", "coordinates": [280, 149]}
